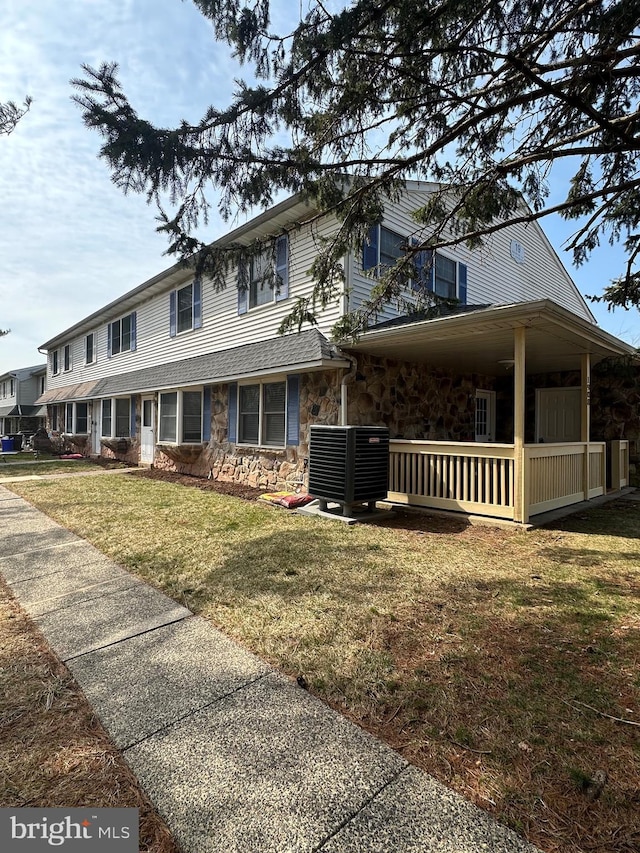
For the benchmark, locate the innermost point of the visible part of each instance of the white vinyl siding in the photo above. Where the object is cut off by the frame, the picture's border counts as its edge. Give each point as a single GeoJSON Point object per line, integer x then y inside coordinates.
{"type": "Point", "coordinates": [494, 277]}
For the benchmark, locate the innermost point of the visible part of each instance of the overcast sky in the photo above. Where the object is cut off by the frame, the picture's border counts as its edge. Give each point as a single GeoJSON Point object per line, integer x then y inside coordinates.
{"type": "Point", "coordinates": [70, 242]}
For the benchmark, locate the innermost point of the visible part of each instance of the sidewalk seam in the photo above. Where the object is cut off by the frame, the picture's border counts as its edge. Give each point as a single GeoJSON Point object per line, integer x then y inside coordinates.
{"type": "Point", "coordinates": [213, 702]}
{"type": "Point", "coordinates": [347, 820]}
{"type": "Point", "coordinates": [124, 639]}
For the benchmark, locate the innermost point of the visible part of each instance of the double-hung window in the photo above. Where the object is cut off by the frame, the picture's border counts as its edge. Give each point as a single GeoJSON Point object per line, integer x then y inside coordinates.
{"type": "Point", "coordinates": [441, 275]}
{"type": "Point", "coordinates": [382, 249]}
{"type": "Point", "coordinates": [67, 357]}
{"type": "Point", "coordinates": [76, 418]}
{"type": "Point", "coordinates": [90, 348]}
{"type": "Point", "coordinates": [181, 417]}
{"type": "Point", "coordinates": [55, 362]}
{"type": "Point", "coordinates": [185, 308]}
{"type": "Point", "coordinates": [121, 335]}
{"type": "Point", "coordinates": [265, 279]}
{"type": "Point", "coordinates": [115, 418]}
{"type": "Point", "coordinates": [262, 410]}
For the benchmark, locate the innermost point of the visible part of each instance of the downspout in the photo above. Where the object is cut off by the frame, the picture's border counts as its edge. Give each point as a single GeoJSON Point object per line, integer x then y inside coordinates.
{"type": "Point", "coordinates": [349, 374]}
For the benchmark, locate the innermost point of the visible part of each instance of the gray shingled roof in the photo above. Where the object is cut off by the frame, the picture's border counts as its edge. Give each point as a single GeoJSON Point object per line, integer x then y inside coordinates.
{"type": "Point", "coordinates": [290, 352]}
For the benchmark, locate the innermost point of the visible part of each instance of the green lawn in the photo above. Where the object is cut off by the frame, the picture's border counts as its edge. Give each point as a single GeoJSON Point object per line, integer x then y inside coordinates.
{"type": "Point", "coordinates": [473, 651]}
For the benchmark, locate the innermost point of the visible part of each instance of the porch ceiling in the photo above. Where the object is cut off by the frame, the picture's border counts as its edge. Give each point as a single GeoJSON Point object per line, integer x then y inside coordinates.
{"type": "Point", "coordinates": [477, 341]}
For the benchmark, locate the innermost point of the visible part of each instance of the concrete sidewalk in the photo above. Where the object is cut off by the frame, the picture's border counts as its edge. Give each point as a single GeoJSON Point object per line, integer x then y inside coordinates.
{"type": "Point", "coordinates": [235, 756]}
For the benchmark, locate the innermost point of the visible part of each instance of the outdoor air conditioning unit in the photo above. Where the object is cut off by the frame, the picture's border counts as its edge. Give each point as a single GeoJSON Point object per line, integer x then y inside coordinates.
{"type": "Point", "coordinates": [348, 465]}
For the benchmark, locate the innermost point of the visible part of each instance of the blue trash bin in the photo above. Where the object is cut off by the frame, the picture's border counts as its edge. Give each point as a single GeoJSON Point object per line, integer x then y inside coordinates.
{"type": "Point", "coordinates": [7, 444]}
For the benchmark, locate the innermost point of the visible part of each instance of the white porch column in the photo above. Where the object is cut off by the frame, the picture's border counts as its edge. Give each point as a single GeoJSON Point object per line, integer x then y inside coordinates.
{"type": "Point", "coordinates": [585, 417]}
{"type": "Point", "coordinates": [520, 508]}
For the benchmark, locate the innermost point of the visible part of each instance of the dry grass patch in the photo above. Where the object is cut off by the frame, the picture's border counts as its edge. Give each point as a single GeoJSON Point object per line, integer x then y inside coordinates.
{"type": "Point", "coordinates": [487, 657]}
{"type": "Point", "coordinates": [24, 465]}
{"type": "Point", "coordinates": [53, 751]}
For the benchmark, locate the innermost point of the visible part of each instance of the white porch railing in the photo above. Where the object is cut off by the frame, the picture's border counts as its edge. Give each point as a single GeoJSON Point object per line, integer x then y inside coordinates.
{"type": "Point", "coordinates": [556, 474]}
{"type": "Point", "coordinates": [465, 476]}
{"type": "Point", "coordinates": [480, 478]}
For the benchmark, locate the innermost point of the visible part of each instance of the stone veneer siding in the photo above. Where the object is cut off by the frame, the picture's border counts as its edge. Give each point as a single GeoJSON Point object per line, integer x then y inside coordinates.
{"type": "Point", "coordinates": [413, 400]}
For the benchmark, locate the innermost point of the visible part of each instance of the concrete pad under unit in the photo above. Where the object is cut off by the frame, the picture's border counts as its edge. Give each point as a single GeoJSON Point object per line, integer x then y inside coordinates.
{"type": "Point", "coordinates": [335, 512]}
{"type": "Point", "coordinates": [268, 768]}
{"type": "Point", "coordinates": [416, 814]}
{"type": "Point", "coordinates": [147, 682]}
{"type": "Point", "coordinates": [89, 623]}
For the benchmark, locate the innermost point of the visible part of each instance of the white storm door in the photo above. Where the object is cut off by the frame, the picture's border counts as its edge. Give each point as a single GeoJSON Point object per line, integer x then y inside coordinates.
{"type": "Point", "coordinates": [485, 416]}
{"type": "Point", "coordinates": [558, 414]}
{"type": "Point", "coordinates": [147, 431]}
{"type": "Point", "coordinates": [95, 427]}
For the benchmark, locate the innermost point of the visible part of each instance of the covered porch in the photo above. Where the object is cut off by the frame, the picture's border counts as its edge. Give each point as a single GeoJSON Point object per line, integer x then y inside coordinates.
{"type": "Point", "coordinates": [514, 480]}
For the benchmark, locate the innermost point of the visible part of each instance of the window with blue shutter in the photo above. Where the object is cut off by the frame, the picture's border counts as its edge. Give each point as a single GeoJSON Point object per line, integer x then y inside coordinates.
{"type": "Point", "coordinates": [293, 409]}
{"type": "Point", "coordinates": [282, 268]}
{"type": "Point", "coordinates": [134, 331]}
{"type": "Point", "coordinates": [172, 314]}
{"type": "Point", "coordinates": [206, 414]}
{"type": "Point", "coordinates": [133, 417]}
{"type": "Point", "coordinates": [370, 249]}
{"type": "Point", "coordinates": [109, 342]}
{"type": "Point", "coordinates": [232, 427]}
{"type": "Point", "coordinates": [197, 304]}
{"type": "Point", "coordinates": [243, 292]}
{"type": "Point", "coordinates": [462, 283]}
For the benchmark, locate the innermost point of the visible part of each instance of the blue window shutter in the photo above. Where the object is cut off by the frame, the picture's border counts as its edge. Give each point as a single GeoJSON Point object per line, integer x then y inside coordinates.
{"type": "Point", "coordinates": [370, 250]}
{"type": "Point", "coordinates": [243, 293]}
{"type": "Point", "coordinates": [206, 414]}
{"type": "Point", "coordinates": [418, 262]}
{"type": "Point", "coordinates": [133, 418]}
{"type": "Point", "coordinates": [462, 283]}
{"type": "Point", "coordinates": [293, 409]}
{"type": "Point", "coordinates": [134, 331]}
{"type": "Point", "coordinates": [197, 304]}
{"type": "Point", "coordinates": [429, 267]}
{"type": "Point", "coordinates": [232, 429]}
{"type": "Point", "coordinates": [282, 268]}
{"type": "Point", "coordinates": [172, 314]}
{"type": "Point", "coordinates": [109, 340]}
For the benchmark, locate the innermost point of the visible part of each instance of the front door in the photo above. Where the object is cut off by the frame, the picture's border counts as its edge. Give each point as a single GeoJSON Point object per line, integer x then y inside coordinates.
{"type": "Point", "coordinates": [485, 415]}
{"type": "Point", "coordinates": [147, 431]}
{"type": "Point", "coordinates": [558, 414]}
{"type": "Point", "coordinates": [95, 427]}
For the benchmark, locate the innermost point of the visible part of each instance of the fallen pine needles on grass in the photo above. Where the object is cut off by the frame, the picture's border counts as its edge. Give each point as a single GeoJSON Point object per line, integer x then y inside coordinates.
{"type": "Point", "coordinates": [455, 644]}
{"type": "Point", "coordinates": [53, 751]}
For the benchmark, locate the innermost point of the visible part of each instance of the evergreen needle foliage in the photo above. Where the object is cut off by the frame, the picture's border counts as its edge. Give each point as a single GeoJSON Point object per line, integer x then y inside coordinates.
{"type": "Point", "coordinates": [480, 97]}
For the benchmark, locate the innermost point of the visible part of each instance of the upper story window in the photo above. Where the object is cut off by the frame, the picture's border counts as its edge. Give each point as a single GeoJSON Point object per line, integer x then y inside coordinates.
{"type": "Point", "coordinates": [121, 335]}
{"type": "Point", "coordinates": [382, 249]}
{"type": "Point", "coordinates": [266, 280]}
{"type": "Point", "coordinates": [67, 357]}
{"type": "Point", "coordinates": [185, 308]}
{"type": "Point", "coordinates": [90, 348]}
{"type": "Point", "coordinates": [55, 362]}
{"type": "Point", "coordinates": [441, 275]}
{"type": "Point", "coordinates": [12, 387]}
{"type": "Point", "coordinates": [43, 385]}
{"type": "Point", "coordinates": [4, 389]}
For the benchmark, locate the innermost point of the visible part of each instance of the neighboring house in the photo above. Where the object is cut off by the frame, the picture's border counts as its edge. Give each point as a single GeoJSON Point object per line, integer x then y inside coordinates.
{"type": "Point", "coordinates": [19, 389]}
{"type": "Point", "coordinates": [178, 375]}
